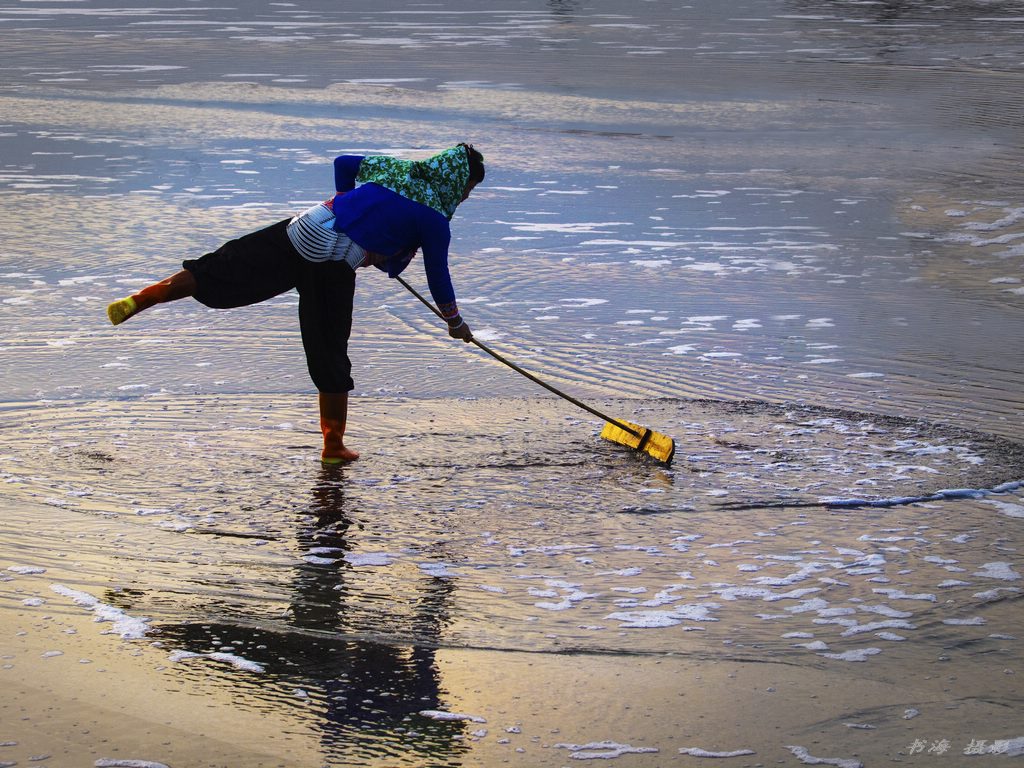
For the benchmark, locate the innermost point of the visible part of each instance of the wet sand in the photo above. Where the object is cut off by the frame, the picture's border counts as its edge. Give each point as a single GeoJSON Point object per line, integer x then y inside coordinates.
{"type": "Point", "coordinates": [787, 234]}
{"type": "Point", "coordinates": [556, 590]}
{"type": "Point", "coordinates": [527, 709]}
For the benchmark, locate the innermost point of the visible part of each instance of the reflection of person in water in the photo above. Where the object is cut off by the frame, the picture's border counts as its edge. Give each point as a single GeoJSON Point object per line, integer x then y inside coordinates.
{"type": "Point", "coordinates": [370, 692]}
{"type": "Point", "coordinates": [371, 685]}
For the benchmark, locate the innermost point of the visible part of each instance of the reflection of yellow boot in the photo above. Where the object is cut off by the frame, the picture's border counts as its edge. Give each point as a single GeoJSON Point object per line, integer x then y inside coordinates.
{"type": "Point", "coordinates": [121, 310]}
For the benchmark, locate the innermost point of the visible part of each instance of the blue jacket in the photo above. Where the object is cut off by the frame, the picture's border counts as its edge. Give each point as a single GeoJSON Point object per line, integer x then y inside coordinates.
{"type": "Point", "coordinates": [384, 222]}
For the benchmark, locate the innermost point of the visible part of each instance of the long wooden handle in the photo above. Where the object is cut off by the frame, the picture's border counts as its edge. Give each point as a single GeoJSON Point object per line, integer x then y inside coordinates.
{"type": "Point", "coordinates": [527, 374]}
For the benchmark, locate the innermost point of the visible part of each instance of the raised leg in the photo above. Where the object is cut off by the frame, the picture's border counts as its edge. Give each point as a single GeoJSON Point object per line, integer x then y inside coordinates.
{"type": "Point", "coordinates": [175, 287]}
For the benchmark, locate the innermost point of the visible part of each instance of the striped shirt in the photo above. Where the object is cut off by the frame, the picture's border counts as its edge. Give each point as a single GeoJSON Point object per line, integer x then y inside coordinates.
{"type": "Point", "coordinates": [314, 237]}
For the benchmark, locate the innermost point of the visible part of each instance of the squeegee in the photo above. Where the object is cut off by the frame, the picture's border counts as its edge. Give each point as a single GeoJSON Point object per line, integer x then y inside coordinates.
{"type": "Point", "coordinates": [642, 439]}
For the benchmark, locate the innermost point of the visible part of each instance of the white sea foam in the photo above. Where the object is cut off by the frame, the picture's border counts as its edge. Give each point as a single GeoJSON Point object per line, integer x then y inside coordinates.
{"type": "Point", "coordinates": [370, 558]}
{"type": "Point", "coordinates": [324, 550]}
{"type": "Point", "coordinates": [317, 560]}
{"type": "Point", "coordinates": [146, 511]}
{"type": "Point", "coordinates": [1006, 508]}
{"type": "Point", "coordinates": [892, 636]}
{"type": "Point", "coordinates": [438, 570]}
{"type": "Point", "coordinates": [899, 594]}
{"type": "Point", "coordinates": [603, 750]}
{"type": "Point", "coordinates": [26, 570]}
{"type": "Point", "coordinates": [807, 758]}
{"type": "Point", "coordinates": [384, 80]}
{"type": "Point", "coordinates": [698, 752]}
{"type": "Point", "coordinates": [110, 762]}
{"type": "Point", "coordinates": [1013, 216]}
{"type": "Point", "coordinates": [998, 570]}
{"type": "Point", "coordinates": [754, 593]}
{"type": "Point", "coordinates": [579, 303]}
{"type": "Point", "coordinates": [874, 626]}
{"type": "Point", "coordinates": [436, 714]}
{"type": "Point", "coordinates": [488, 334]}
{"type": "Point", "coordinates": [565, 227]}
{"type": "Point", "coordinates": [805, 572]}
{"type": "Point", "coordinates": [857, 654]}
{"type": "Point", "coordinates": [813, 645]}
{"type": "Point", "coordinates": [237, 662]}
{"type": "Point", "coordinates": [886, 611]}
{"type": "Point", "coordinates": [631, 571]}
{"type": "Point", "coordinates": [655, 619]}
{"type": "Point", "coordinates": [994, 594]}
{"type": "Point", "coordinates": [704, 319]}
{"type": "Point", "coordinates": [128, 627]}
{"type": "Point", "coordinates": [897, 501]}
{"type": "Point", "coordinates": [570, 594]}
{"type": "Point", "coordinates": [682, 349]}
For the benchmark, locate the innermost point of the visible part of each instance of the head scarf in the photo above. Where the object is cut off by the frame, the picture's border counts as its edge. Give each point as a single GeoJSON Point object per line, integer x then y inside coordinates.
{"type": "Point", "coordinates": [438, 182]}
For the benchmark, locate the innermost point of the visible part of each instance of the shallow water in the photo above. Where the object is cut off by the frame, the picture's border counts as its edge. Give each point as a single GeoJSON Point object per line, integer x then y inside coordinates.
{"type": "Point", "coordinates": [788, 234]}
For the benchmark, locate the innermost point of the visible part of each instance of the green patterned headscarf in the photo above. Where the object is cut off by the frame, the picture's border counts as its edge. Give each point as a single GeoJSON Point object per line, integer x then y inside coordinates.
{"type": "Point", "coordinates": [438, 182]}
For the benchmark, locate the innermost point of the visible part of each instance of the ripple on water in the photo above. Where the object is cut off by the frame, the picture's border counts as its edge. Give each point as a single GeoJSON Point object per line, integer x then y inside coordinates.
{"type": "Point", "coordinates": [508, 524]}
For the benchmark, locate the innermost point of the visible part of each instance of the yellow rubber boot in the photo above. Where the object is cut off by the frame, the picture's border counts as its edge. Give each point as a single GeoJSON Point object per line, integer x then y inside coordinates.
{"type": "Point", "coordinates": [121, 310]}
{"type": "Point", "coordinates": [177, 286]}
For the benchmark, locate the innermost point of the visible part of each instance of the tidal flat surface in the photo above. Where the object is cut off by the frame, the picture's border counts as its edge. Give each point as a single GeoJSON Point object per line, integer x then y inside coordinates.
{"type": "Point", "coordinates": [789, 234]}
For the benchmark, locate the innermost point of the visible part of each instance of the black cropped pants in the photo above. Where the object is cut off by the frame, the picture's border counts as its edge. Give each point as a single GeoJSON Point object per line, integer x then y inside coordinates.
{"type": "Point", "coordinates": [263, 264]}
